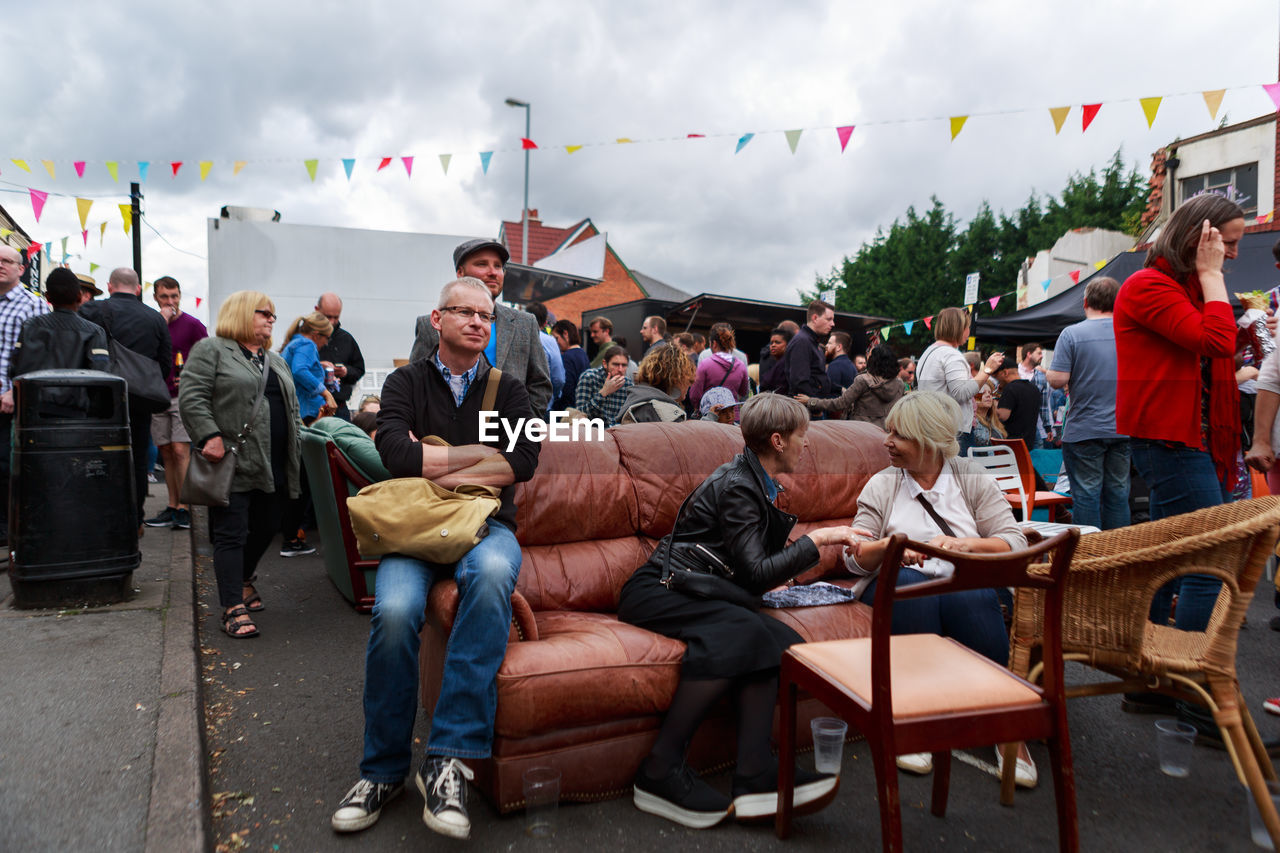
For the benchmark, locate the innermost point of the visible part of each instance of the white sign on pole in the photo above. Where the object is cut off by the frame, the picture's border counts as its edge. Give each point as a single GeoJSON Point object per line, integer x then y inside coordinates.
{"type": "Point", "coordinates": [828, 296]}
{"type": "Point", "coordinates": [971, 288]}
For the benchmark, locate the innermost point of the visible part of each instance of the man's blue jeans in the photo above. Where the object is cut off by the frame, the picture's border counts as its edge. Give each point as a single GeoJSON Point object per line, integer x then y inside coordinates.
{"type": "Point", "coordinates": [1099, 472]}
{"type": "Point", "coordinates": [1181, 480]}
{"type": "Point", "coordinates": [462, 724]}
{"type": "Point", "coordinates": [972, 618]}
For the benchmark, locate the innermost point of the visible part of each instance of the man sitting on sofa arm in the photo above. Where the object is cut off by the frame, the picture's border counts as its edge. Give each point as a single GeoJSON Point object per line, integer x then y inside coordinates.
{"type": "Point", "coordinates": [441, 395]}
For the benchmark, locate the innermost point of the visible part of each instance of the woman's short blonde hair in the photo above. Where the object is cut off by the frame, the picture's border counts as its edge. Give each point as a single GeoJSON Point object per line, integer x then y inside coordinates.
{"type": "Point", "coordinates": [950, 324]}
{"type": "Point", "coordinates": [235, 316]}
{"type": "Point", "coordinates": [314, 323]}
{"type": "Point", "coordinates": [928, 418]}
{"type": "Point", "coordinates": [767, 413]}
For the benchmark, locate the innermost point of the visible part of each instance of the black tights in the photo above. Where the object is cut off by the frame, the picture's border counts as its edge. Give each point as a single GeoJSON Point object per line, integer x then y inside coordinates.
{"type": "Point", "coordinates": [755, 694]}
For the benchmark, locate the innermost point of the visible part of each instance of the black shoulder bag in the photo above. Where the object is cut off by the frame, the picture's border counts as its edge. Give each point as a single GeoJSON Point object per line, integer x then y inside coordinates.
{"type": "Point", "coordinates": [145, 385]}
{"type": "Point", "coordinates": [697, 571]}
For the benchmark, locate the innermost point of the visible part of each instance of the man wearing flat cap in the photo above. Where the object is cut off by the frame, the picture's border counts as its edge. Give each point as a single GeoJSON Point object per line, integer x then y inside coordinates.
{"type": "Point", "coordinates": [514, 346]}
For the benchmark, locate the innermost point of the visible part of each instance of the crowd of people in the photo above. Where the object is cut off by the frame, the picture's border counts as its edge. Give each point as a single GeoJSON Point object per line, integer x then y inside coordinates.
{"type": "Point", "coordinates": [1150, 379]}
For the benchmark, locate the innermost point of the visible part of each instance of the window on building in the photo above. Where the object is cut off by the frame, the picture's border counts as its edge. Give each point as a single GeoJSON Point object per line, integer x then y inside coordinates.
{"type": "Point", "coordinates": [1239, 183]}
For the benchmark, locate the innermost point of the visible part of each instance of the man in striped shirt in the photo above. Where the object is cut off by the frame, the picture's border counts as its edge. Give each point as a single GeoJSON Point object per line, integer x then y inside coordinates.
{"type": "Point", "coordinates": [17, 305]}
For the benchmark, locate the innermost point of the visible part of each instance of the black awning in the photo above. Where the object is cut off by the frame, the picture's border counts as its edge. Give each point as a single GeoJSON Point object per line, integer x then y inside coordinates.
{"type": "Point", "coordinates": [698, 313]}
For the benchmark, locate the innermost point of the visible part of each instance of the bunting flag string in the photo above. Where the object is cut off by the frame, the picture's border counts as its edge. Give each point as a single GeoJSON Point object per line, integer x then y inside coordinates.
{"type": "Point", "coordinates": [1212, 98]}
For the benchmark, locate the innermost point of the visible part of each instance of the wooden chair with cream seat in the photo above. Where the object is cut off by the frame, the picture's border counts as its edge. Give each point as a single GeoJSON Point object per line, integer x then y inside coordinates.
{"type": "Point", "coordinates": [926, 693]}
{"type": "Point", "coordinates": [1107, 595]}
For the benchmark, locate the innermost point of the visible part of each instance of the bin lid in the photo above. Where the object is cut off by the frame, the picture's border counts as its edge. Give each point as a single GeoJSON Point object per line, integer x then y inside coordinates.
{"type": "Point", "coordinates": [69, 377]}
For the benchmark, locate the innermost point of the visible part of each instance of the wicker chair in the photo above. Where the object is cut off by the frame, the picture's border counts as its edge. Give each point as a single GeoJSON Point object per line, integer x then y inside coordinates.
{"type": "Point", "coordinates": [1109, 588]}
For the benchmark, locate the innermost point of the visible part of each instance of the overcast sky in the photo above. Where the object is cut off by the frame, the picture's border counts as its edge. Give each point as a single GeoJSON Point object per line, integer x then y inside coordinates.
{"type": "Point", "coordinates": [275, 83]}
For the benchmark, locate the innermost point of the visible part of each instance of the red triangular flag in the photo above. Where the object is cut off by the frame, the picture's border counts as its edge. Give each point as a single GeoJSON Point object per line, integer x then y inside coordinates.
{"type": "Point", "coordinates": [37, 202]}
{"type": "Point", "coordinates": [386, 161]}
{"type": "Point", "coordinates": [1075, 276]}
{"type": "Point", "coordinates": [175, 165]}
{"type": "Point", "coordinates": [844, 133]}
{"type": "Point", "coordinates": [695, 136]}
{"type": "Point", "coordinates": [79, 164]}
{"type": "Point", "coordinates": [198, 301]}
{"type": "Point", "coordinates": [527, 144]}
{"type": "Point", "coordinates": [1087, 112]}
{"type": "Point", "coordinates": [33, 250]}
{"type": "Point", "coordinates": [928, 322]}
{"type": "Point", "coordinates": [408, 165]}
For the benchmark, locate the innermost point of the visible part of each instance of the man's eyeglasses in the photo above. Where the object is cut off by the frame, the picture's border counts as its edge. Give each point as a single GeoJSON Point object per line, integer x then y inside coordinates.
{"type": "Point", "coordinates": [11, 262]}
{"type": "Point", "coordinates": [467, 313]}
{"type": "Point", "coordinates": [265, 313]}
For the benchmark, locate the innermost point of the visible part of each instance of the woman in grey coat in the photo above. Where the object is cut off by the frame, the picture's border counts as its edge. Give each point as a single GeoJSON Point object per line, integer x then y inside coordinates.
{"type": "Point", "coordinates": [216, 393]}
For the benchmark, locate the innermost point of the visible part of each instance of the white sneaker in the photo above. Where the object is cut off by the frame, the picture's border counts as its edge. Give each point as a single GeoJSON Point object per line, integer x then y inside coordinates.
{"type": "Point", "coordinates": [919, 763]}
{"type": "Point", "coordinates": [1024, 775]}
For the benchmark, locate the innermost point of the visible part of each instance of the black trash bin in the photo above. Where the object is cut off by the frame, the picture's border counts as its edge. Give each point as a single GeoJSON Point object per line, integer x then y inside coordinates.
{"type": "Point", "coordinates": [71, 490]}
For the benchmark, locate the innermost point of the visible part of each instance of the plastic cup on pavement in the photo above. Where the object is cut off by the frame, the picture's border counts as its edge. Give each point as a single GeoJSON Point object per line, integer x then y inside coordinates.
{"type": "Point", "coordinates": [828, 743]}
{"type": "Point", "coordinates": [541, 797]}
{"type": "Point", "coordinates": [1174, 741]}
{"type": "Point", "coordinates": [1257, 829]}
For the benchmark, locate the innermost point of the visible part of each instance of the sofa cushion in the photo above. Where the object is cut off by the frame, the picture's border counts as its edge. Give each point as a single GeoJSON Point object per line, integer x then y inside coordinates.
{"type": "Point", "coordinates": [581, 575]}
{"type": "Point", "coordinates": [579, 492]}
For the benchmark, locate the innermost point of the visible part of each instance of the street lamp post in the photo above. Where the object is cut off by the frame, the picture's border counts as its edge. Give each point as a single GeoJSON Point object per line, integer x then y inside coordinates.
{"type": "Point", "coordinates": [524, 214]}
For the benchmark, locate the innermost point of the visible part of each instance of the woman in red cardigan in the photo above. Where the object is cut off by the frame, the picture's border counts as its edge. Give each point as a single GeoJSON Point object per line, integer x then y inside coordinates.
{"type": "Point", "coordinates": [1176, 395]}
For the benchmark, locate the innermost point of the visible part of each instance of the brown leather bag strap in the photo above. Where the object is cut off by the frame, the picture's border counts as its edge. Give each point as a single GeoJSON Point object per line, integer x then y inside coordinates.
{"type": "Point", "coordinates": [491, 390]}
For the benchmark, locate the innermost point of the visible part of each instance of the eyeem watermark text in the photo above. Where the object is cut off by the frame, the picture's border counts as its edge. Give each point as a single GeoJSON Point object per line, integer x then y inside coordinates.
{"type": "Point", "coordinates": [560, 428]}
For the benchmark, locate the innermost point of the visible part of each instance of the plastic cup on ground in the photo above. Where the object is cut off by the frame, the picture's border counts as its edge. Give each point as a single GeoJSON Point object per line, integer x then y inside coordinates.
{"type": "Point", "coordinates": [1257, 829]}
{"type": "Point", "coordinates": [541, 797]}
{"type": "Point", "coordinates": [1174, 741]}
{"type": "Point", "coordinates": [828, 743]}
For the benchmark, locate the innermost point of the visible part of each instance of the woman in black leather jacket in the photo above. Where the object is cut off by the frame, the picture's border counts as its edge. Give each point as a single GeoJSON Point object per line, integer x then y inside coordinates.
{"type": "Point", "coordinates": [731, 646]}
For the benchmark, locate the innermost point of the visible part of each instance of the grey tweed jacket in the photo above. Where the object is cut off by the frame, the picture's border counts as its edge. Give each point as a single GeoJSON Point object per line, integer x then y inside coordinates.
{"type": "Point", "coordinates": [520, 353]}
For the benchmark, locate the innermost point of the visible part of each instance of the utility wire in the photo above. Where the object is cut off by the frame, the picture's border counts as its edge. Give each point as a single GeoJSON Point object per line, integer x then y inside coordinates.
{"type": "Point", "coordinates": [167, 243]}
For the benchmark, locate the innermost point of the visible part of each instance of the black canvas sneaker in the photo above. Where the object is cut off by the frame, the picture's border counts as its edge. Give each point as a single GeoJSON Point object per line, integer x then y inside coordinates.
{"type": "Point", "coordinates": [440, 780]}
{"type": "Point", "coordinates": [756, 798]}
{"type": "Point", "coordinates": [362, 805]}
{"type": "Point", "coordinates": [681, 796]}
{"type": "Point", "coordinates": [164, 519]}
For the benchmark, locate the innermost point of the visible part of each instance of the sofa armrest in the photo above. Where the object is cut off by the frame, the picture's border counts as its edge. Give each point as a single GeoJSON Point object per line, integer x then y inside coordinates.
{"type": "Point", "coordinates": [442, 608]}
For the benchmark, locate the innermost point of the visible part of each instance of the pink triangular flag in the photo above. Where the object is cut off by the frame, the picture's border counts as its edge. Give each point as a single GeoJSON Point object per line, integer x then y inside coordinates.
{"type": "Point", "coordinates": [79, 164]}
{"type": "Point", "coordinates": [37, 202]}
{"type": "Point", "coordinates": [85, 234]}
{"type": "Point", "coordinates": [1273, 89]}
{"type": "Point", "coordinates": [198, 301]}
{"type": "Point", "coordinates": [1087, 112]}
{"type": "Point", "coordinates": [928, 322]}
{"type": "Point", "coordinates": [995, 300]}
{"type": "Point", "coordinates": [408, 165]}
{"type": "Point", "coordinates": [844, 133]}
{"type": "Point", "coordinates": [1075, 276]}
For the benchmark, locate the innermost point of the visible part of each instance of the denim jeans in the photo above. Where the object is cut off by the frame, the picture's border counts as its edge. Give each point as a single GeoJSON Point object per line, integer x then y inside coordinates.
{"type": "Point", "coordinates": [972, 617]}
{"type": "Point", "coordinates": [1099, 472]}
{"type": "Point", "coordinates": [965, 439]}
{"type": "Point", "coordinates": [1181, 480]}
{"type": "Point", "coordinates": [462, 724]}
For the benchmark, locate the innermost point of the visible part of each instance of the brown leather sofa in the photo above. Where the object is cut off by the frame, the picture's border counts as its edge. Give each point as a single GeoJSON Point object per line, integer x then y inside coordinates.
{"type": "Point", "coordinates": [581, 691]}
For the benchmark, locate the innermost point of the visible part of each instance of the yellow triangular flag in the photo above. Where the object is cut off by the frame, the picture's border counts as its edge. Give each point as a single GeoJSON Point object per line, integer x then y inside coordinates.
{"type": "Point", "coordinates": [444, 162]}
{"type": "Point", "coordinates": [1099, 265]}
{"type": "Point", "coordinates": [311, 167]}
{"type": "Point", "coordinates": [957, 124]}
{"type": "Point", "coordinates": [237, 166]}
{"type": "Point", "coordinates": [572, 148]}
{"type": "Point", "coordinates": [114, 168]}
{"type": "Point", "coordinates": [1213, 100]}
{"type": "Point", "coordinates": [5, 232]}
{"type": "Point", "coordinates": [102, 232]}
{"type": "Point", "coordinates": [623, 140]}
{"type": "Point", "coordinates": [82, 207]}
{"type": "Point", "coordinates": [126, 213]}
{"type": "Point", "coordinates": [1059, 118]}
{"type": "Point", "coordinates": [205, 166]}
{"type": "Point", "coordinates": [22, 164]}
{"type": "Point", "coordinates": [48, 167]}
{"type": "Point", "coordinates": [1149, 108]}
{"type": "Point", "coordinates": [793, 139]}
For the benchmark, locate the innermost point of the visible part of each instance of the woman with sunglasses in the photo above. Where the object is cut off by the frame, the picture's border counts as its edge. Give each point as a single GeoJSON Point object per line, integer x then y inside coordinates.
{"type": "Point", "coordinates": [216, 396]}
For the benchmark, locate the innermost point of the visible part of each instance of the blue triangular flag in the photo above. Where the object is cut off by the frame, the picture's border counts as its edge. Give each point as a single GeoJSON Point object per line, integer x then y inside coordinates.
{"type": "Point", "coordinates": [348, 163]}
{"type": "Point", "coordinates": [1045, 284]}
{"type": "Point", "coordinates": [143, 165]}
{"type": "Point", "coordinates": [484, 160]}
{"type": "Point", "coordinates": [742, 141]}
{"type": "Point", "coordinates": [908, 325]}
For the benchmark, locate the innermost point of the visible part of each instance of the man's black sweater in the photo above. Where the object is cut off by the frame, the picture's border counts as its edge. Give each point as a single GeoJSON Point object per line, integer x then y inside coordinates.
{"type": "Point", "coordinates": [416, 398]}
